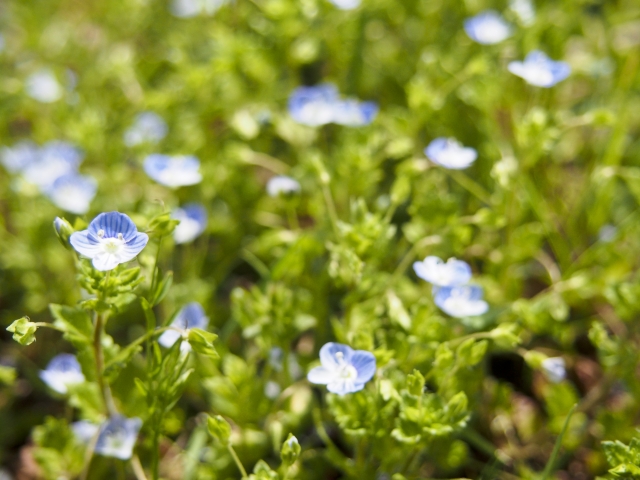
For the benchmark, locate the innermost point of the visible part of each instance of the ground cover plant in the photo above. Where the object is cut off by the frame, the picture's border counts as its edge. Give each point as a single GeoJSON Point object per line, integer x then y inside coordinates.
{"type": "Point", "coordinates": [319, 239]}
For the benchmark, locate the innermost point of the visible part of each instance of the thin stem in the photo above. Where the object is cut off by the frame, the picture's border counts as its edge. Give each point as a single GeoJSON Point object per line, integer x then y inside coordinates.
{"type": "Point", "coordinates": [137, 468]}
{"type": "Point", "coordinates": [471, 186]}
{"type": "Point", "coordinates": [331, 208]}
{"type": "Point", "coordinates": [237, 460]}
{"type": "Point", "coordinates": [99, 354]}
{"type": "Point", "coordinates": [292, 217]}
{"type": "Point", "coordinates": [154, 276]}
{"type": "Point", "coordinates": [410, 255]}
{"type": "Point", "coordinates": [89, 456]}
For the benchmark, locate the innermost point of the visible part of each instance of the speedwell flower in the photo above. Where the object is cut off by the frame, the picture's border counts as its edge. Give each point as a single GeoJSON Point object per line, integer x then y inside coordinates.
{"type": "Point", "coordinates": [539, 70]}
{"type": "Point", "coordinates": [43, 86]}
{"type": "Point", "coordinates": [449, 153]}
{"type": "Point", "coordinates": [149, 127]}
{"type": "Point", "coordinates": [16, 158]}
{"type": "Point", "coordinates": [190, 316]}
{"type": "Point", "coordinates": [487, 27]}
{"type": "Point", "coordinates": [191, 8]}
{"type": "Point", "coordinates": [193, 221]}
{"type": "Point", "coordinates": [450, 274]}
{"type": "Point", "coordinates": [281, 184]}
{"type": "Point", "coordinates": [554, 369]}
{"type": "Point", "coordinates": [73, 192]}
{"type": "Point", "coordinates": [346, 4]}
{"type": "Point", "coordinates": [173, 171]}
{"type": "Point", "coordinates": [343, 370]}
{"type": "Point", "coordinates": [352, 113]}
{"type": "Point", "coordinates": [111, 239]}
{"type": "Point", "coordinates": [118, 436]}
{"type": "Point", "coordinates": [461, 301]}
{"type": "Point", "coordinates": [84, 431]}
{"type": "Point", "coordinates": [62, 372]}
{"type": "Point", "coordinates": [53, 160]}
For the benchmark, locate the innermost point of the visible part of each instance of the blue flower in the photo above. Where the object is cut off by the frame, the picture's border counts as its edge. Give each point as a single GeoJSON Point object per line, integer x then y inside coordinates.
{"type": "Point", "coordinates": [73, 192]}
{"type": "Point", "coordinates": [191, 8]}
{"type": "Point", "coordinates": [173, 171]}
{"type": "Point", "coordinates": [487, 27]}
{"type": "Point", "coordinates": [43, 86]}
{"type": "Point", "coordinates": [84, 431]}
{"type": "Point", "coordinates": [450, 274]}
{"type": "Point", "coordinates": [54, 159]}
{"type": "Point", "coordinates": [193, 221]}
{"type": "Point", "coordinates": [16, 158]}
{"type": "Point", "coordinates": [346, 4]}
{"type": "Point", "coordinates": [282, 185]}
{"type": "Point", "coordinates": [148, 127]}
{"type": "Point", "coordinates": [554, 369]}
{"type": "Point", "coordinates": [449, 153]}
{"type": "Point", "coordinates": [111, 239]}
{"type": "Point", "coordinates": [118, 436]}
{"type": "Point", "coordinates": [460, 301]}
{"type": "Point", "coordinates": [62, 372]}
{"type": "Point", "coordinates": [321, 105]}
{"type": "Point", "coordinates": [343, 370]}
{"type": "Point", "coordinates": [540, 71]}
{"type": "Point", "coordinates": [190, 316]}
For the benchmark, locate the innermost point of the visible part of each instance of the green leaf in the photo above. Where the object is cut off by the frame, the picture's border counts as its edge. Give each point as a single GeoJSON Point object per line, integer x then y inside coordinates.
{"type": "Point", "coordinates": [23, 331]}
{"type": "Point", "coordinates": [7, 375]}
{"type": "Point", "coordinates": [397, 313]}
{"type": "Point", "coordinates": [75, 323]}
{"type": "Point", "coordinates": [202, 342]}
{"type": "Point", "coordinates": [219, 428]}
{"type": "Point", "coordinates": [162, 288]}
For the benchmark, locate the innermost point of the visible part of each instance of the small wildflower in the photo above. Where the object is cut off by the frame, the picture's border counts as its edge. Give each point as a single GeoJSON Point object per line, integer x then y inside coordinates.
{"type": "Point", "coordinates": [118, 436]}
{"type": "Point", "coordinates": [343, 370]}
{"type": "Point", "coordinates": [62, 372]}
{"type": "Point", "coordinates": [607, 233]}
{"type": "Point", "coordinates": [461, 301]}
{"type": "Point", "coordinates": [84, 431]}
{"type": "Point", "coordinates": [346, 4]}
{"type": "Point", "coordinates": [449, 153]}
{"type": "Point", "coordinates": [282, 185]}
{"type": "Point", "coordinates": [272, 390]}
{"type": "Point", "coordinates": [173, 171]}
{"type": "Point", "coordinates": [190, 316]}
{"type": "Point", "coordinates": [352, 113]}
{"type": "Point", "coordinates": [539, 70]}
{"type": "Point", "coordinates": [43, 86]}
{"type": "Point", "coordinates": [73, 192]}
{"type": "Point", "coordinates": [193, 221]}
{"type": "Point", "coordinates": [111, 239]}
{"type": "Point", "coordinates": [554, 369]}
{"type": "Point", "coordinates": [16, 158]}
{"type": "Point", "coordinates": [450, 274]}
{"type": "Point", "coordinates": [148, 127]}
{"type": "Point", "coordinates": [487, 28]}
{"type": "Point", "coordinates": [192, 8]}
{"type": "Point", "coordinates": [54, 160]}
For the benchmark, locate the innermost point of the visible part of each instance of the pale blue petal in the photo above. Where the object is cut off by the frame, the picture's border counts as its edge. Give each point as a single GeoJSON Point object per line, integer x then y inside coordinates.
{"type": "Point", "coordinates": [118, 436]}
{"type": "Point", "coordinates": [84, 243]}
{"type": "Point", "coordinates": [365, 364]}
{"type": "Point", "coordinates": [328, 354]}
{"type": "Point", "coordinates": [320, 376]}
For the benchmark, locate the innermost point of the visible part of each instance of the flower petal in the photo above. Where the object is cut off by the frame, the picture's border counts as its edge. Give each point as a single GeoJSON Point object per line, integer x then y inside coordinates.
{"type": "Point", "coordinates": [85, 244]}
{"type": "Point", "coordinates": [320, 376]}
{"type": "Point", "coordinates": [365, 364]}
{"type": "Point", "coordinates": [328, 354]}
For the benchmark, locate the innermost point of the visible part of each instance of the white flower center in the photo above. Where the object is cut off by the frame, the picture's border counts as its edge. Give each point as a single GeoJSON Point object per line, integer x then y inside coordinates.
{"type": "Point", "coordinates": [112, 246]}
{"type": "Point", "coordinates": [347, 372]}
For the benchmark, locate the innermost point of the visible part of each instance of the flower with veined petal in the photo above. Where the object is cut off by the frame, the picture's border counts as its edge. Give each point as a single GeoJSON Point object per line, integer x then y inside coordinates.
{"type": "Point", "coordinates": [73, 192]}
{"type": "Point", "coordinates": [111, 239]}
{"type": "Point", "coordinates": [461, 301]}
{"type": "Point", "coordinates": [173, 171]}
{"type": "Point", "coordinates": [118, 436]}
{"type": "Point", "coordinates": [193, 221]}
{"type": "Point", "coordinates": [53, 160]}
{"type": "Point", "coordinates": [62, 371]}
{"type": "Point", "coordinates": [487, 28]}
{"type": "Point", "coordinates": [343, 369]}
{"type": "Point", "coordinates": [452, 273]}
{"type": "Point", "coordinates": [449, 153]}
{"type": "Point", "coordinates": [190, 316]}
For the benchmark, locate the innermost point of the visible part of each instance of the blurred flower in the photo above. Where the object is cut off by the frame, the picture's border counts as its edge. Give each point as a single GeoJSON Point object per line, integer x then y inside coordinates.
{"type": "Point", "coordinates": [54, 159]}
{"type": "Point", "coordinates": [111, 239]}
{"type": "Point", "coordinates": [540, 71]}
{"type": "Point", "coordinates": [487, 28]}
{"type": "Point", "coordinates": [346, 4]}
{"type": "Point", "coordinates": [73, 192]}
{"type": "Point", "coordinates": [173, 171]}
{"type": "Point", "coordinates": [449, 153]}
{"type": "Point", "coordinates": [554, 369]}
{"type": "Point", "coordinates": [191, 8]}
{"type": "Point", "coordinates": [320, 105]}
{"type": "Point", "coordinates": [16, 158]}
{"type": "Point", "coordinates": [190, 316]}
{"type": "Point", "coordinates": [62, 371]}
{"type": "Point", "coordinates": [43, 86]}
{"type": "Point", "coordinates": [118, 436]}
{"type": "Point", "coordinates": [460, 301]}
{"type": "Point", "coordinates": [84, 431]}
{"type": "Point", "coordinates": [607, 233]}
{"type": "Point", "coordinates": [450, 274]}
{"type": "Point", "coordinates": [281, 184]}
{"type": "Point", "coordinates": [272, 390]}
{"type": "Point", "coordinates": [524, 10]}
{"type": "Point", "coordinates": [148, 127]}
{"type": "Point", "coordinates": [343, 370]}
{"type": "Point", "coordinates": [193, 221]}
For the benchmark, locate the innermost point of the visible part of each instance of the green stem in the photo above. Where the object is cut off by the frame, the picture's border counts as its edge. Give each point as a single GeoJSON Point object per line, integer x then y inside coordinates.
{"type": "Point", "coordinates": [154, 276]}
{"type": "Point", "coordinates": [331, 208]}
{"type": "Point", "coordinates": [99, 354]}
{"type": "Point", "coordinates": [556, 448]}
{"type": "Point", "coordinates": [292, 217]}
{"type": "Point", "coordinates": [237, 460]}
{"type": "Point", "coordinates": [471, 186]}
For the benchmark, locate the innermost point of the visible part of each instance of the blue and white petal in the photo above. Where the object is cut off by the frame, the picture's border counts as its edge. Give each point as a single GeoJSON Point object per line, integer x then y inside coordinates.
{"type": "Point", "coordinates": [43, 86]}
{"type": "Point", "coordinates": [173, 171]}
{"type": "Point", "coordinates": [192, 8]}
{"type": "Point", "coordinates": [190, 316]}
{"type": "Point", "coordinates": [365, 364]}
{"type": "Point", "coordinates": [193, 221]}
{"type": "Point", "coordinates": [461, 301]}
{"type": "Point", "coordinates": [16, 158]}
{"type": "Point", "coordinates": [73, 192]}
{"type": "Point", "coordinates": [118, 436]}
{"type": "Point", "coordinates": [320, 376]}
{"type": "Point", "coordinates": [62, 372]}
{"type": "Point", "coordinates": [343, 370]}
{"type": "Point", "coordinates": [539, 70]}
{"type": "Point", "coordinates": [449, 153]}
{"type": "Point", "coordinates": [333, 355]}
{"type": "Point", "coordinates": [84, 431]}
{"type": "Point", "coordinates": [281, 184]}
{"type": "Point", "coordinates": [313, 106]}
{"type": "Point", "coordinates": [346, 4]}
{"type": "Point", "coordinates": [554, 369]}
{"type": "Point", "coordinates": [148, 127]}
{"type": "Point", "coordinates": [487, 28]}
{"type": "Point", "coordinates": [54, 160]}
{"type": "Point", "coordinates": [353, 113]}
{"type": "Point", "coordinates": [452, 273]}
